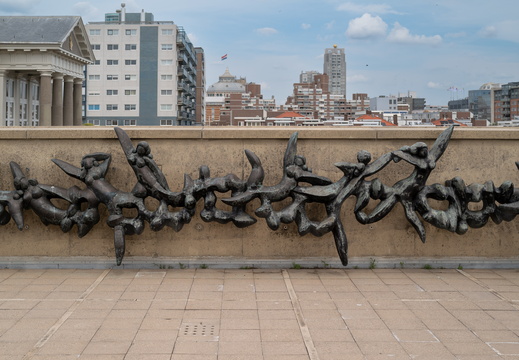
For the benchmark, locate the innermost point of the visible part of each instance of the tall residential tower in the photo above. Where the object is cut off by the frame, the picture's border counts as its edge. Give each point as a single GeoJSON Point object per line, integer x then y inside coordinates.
{"type": "Point", "coordinates": [335, 68]}
{"type": "Point", "coordinates": [145, 72]}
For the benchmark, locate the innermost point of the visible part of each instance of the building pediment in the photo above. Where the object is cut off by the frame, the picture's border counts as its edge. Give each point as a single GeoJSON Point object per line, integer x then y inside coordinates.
{"type": "Point", "coordinates": [65, 34]}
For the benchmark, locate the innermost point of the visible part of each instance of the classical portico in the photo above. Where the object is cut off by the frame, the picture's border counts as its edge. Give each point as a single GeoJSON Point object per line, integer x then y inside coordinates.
{"type": "Point", "coordinates": [42, 61]}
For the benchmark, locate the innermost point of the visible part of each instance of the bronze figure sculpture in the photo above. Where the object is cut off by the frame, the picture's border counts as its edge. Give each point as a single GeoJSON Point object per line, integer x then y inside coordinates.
{"type": "Point", "coordinates": [297, 188]}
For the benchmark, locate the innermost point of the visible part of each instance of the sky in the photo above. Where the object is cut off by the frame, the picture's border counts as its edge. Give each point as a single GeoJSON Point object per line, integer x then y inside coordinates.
{"type": "Point", "coordinates": [439, 49]}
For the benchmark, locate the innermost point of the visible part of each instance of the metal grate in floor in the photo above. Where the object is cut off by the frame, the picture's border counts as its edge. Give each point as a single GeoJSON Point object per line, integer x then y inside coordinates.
{"type": "Point", "coordinates": [201, 331]}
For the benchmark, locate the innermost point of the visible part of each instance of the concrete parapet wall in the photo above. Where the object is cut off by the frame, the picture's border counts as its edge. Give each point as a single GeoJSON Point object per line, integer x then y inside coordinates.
{"type": "Point", "coordinates": [476, 155]}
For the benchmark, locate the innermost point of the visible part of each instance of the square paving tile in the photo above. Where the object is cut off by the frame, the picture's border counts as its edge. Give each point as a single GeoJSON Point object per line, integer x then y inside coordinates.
{"type": "Point", "coordinates": [239, 348]}
{"type": "Point", "coordinates": [416, 335]}
{"type": "Point", "coordinates": [146, 347]}
{"type": "Point", "coordinates": [284, 348]}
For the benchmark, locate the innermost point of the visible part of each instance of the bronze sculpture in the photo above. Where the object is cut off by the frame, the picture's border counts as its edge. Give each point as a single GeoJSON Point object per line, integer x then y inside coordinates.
{"type": "Point", "coordinates": [298, 184]}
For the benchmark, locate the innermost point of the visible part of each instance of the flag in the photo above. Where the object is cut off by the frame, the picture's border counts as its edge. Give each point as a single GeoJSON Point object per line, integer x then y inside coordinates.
{"type": "Point", "coordinates": [224, 57]}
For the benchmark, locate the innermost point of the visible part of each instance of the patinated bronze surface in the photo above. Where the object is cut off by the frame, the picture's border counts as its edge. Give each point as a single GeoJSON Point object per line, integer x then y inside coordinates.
{"type": "Point", "coordinates": [298, 184]}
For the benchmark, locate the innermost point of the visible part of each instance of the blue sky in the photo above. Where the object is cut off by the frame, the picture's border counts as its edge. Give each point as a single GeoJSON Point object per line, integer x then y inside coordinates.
{"type": "Point", "coordinates": [391, 47]}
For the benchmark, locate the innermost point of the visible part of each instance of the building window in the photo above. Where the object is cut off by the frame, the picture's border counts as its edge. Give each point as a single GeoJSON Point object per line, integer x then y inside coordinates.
{"type": "Point", "coordinates": [112, 62]}
{"type": "Point", "coordinates": [166, 77]}
{"type": "Point", "coordinates": [94, 93]}
{"type": "Point", "coordinates": [112, 107]}
{"type": "Point", "coordinates": [112, 77]}
{"type": "Point", "coordinates": [166, 92]}
{"type": "Point", "coordinates": [166, 62]}
{"type": "Point", "coordinates": [111, 122]}
{"type": "Point", "coordinates": [97, 62]}
{"type": "Point", "coordinates": [112, 32]}
{"type": "Point", "coordinates": [131, 31]}
{"type": "Point", "coordinates": [112, 92]}
{"type": "Point", "coordinates": [166, 122]}
{"type": "Point", "coordinates": [167, 46]}
{"type": "Point", "coordinates": [130, 77]}
{"type": "Point", "coordinates": [94, 77]}
{"type": "Point", "coordinates": [112, 47]}
{"type": "Point", "coordinates": [94, 107]}
{"type": "Point", "coordinates": [95, 122]}
{"type": "Point", "coordinates": [167, 31]}
{"type": "Point", "coordinates": [130, 62]}
{"type": "Point", "coordinates": [130, 47]}
{"type": "Point", "coordinates": [130, 107]}
{"type": "Point", "coordinates": [130, 122]}
{"type": "Point", "coordinates": [166, 107]}
{"type": "Point", "coordinates": [95, 32]}
{"type": "Point", "coordinates": [96, 46]}
{"type": "Point", "coordinates": [130, 92]}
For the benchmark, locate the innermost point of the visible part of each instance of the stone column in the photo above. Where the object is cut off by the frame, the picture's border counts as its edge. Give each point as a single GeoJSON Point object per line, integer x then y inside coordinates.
{"type": "Point", "coordinates": [68, 104]}
{"type": "Point", "coordinates": [45, 98]}
{"type": "Point", "coordinates": [29, 100]}
{"type": "Point", "coordinates": [57, 100]}
{"type": "Point", "coordinates": [78, 102]}
{"type": "Point", "coordinates": [2, 98]}
{"type": "Point", "coordinates": [17, 109]}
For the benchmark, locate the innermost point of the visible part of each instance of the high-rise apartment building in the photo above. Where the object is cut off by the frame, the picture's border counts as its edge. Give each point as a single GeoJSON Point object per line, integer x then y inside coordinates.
{"type": "Point", "coordinates": [145, 72]}
{"type": "Point", "coordinates": [335, 68]}
{"type": "Point", "coordinates": [314, 100]}
{"type": "Point", "coordinates": [307, 77]}
{"type": "Point", "coordinates": [506, 102]}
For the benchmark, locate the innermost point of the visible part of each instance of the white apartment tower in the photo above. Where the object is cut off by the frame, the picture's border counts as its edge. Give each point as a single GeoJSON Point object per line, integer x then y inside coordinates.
{"type": "Point", "coordinates": [144, 74]}
{"type": "Point", "coordinates": [335, 68]}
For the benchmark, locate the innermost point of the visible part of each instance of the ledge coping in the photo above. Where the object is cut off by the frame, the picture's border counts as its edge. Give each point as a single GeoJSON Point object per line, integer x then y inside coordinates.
{"type": "Point", "coordinates": [230, 262]}
{"type": "Point", "coordinates": [224, 133]}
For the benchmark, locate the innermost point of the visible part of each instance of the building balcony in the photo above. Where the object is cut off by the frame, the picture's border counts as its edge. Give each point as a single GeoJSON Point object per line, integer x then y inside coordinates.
{"type": "Point", "coordinates": [182, 57]}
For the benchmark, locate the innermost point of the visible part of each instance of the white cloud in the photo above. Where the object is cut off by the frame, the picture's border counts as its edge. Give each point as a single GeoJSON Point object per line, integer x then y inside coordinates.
{"type": "Point", "coordinates": [371, 8]}
{"type": "Point", "coordinates": [402, 35]}
{"type": "Point", "coordinates": [305, 26]}
{"type": "Point", "coordinates": [18, 6]}
{"type": "Point", "coordinates": [488, 32]}
{"type": "Point", "coordinates": [504, 30]}
{"type": "Point", "coordinates": [366, 27]}
{"type": "Point", "coordinates": [433, 85]}
{"type": "Point", "coordinates": [266, 31]}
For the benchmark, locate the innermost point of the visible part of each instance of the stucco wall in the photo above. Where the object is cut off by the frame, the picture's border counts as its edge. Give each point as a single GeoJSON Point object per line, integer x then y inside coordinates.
{"type": "Point", "coordinates": [476, 155]}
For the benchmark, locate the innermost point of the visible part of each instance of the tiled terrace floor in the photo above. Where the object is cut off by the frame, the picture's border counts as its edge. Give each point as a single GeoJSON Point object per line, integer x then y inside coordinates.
{"type": "Point", "coordinates": [259, 314]}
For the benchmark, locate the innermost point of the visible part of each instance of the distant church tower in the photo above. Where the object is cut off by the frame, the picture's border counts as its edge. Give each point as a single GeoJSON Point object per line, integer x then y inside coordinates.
{"type": "Point", "coordinates": [335, 68]}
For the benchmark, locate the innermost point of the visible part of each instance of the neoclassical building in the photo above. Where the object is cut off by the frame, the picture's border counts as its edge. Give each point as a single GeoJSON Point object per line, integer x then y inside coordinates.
{"type": "Point", "coordinates": [42, 61]}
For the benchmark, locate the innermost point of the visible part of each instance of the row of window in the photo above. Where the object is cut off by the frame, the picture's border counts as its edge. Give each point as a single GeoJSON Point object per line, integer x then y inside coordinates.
{"type": "Point", "coordinates": [162, 62]}
{"type": "Point", "coordinates": [128, 47]}
{"type": "Point", "coordinates": [116, 62]}
{"type": "Point", "coordinates": [126, 77]}
{"type": "Point", "coordinates": [112, 107]}
{"type": "Point", "coordinates": [126, 32]}
{"type": "Point", "coordinates": [127, 107]}
{"type": "Point", "coordinates": [112, 77]}
{"type": "Point", "coordinates": [129, 92]}
{"type": "Point", "coordinates": [121, 122]}
{"type": "Point", "coordinates": [99, 122]}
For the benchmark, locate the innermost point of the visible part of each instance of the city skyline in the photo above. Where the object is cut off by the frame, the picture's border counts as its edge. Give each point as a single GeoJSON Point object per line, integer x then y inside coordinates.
{"type": "Point", "coordinates": [390, 47]}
